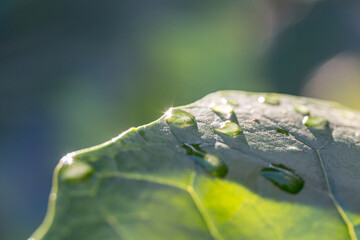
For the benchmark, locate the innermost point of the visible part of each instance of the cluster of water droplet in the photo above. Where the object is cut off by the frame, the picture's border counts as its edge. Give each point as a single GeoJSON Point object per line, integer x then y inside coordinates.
{"type": "Point", "coordinates": [281, 176]}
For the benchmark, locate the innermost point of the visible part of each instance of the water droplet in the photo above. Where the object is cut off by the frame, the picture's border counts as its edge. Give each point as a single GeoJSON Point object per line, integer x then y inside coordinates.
{"type": "Point", "coordinates": [293, 148]}
{"type": "Point", "coordinates": [302, 109]}
{"type": "Point", "coordinates": [67, 159]}
{"type": "Point", "coordinates": [211, 163]}
{"type": "Point", "coordinates": [179, 118]}
{"type": "Point", "coordinates": [224, 111]}
{"type": "Point", "coordinates": [76, 171]}
{"type": "Point", "coordinates": [229, 128]}
{"type": "Point", "coordinates": [222, 108]}
{"type": "Point", "coordinates": [52, 196]}
{"type": "Point", "coordinates": [283, 177]}
{"type": "Point", "coordinates": [228, 101]}
{"type": "Point", "coordinates": [282, 131]}
{"type": "Point", "coordinates": [272, 99]}
{"type": "Point", "coordinates": [315, 122]}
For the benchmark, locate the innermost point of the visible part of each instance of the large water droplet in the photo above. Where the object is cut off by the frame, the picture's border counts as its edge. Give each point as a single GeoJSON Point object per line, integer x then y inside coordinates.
{"type": "Point", "coordinates": [76, 171]}
{"type": "Point", "coordinates": [211, 163]}
{"type": "Point", "coordinates": [302, 109]}
{"type": "Point", "coordinates": [179, 118]}
{"type": "Point", "coordinates": [272, 99]}
{"type": "Point", "coordinates": [315, 122]}
{"type": "Point", "coordinates": [283, 177]}
{"type": "Point", "coordinates": [229, 128]}
{"type": "Point", "coordinates": [282, 131]}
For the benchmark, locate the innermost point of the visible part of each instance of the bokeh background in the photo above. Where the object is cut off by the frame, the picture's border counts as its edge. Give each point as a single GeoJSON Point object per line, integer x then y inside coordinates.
{"type": "Point", "coordinates": [75, 73]}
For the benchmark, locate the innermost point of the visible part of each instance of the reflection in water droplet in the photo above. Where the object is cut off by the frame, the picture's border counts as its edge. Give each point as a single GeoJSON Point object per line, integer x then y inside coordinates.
{"type": "Point", "coordinates": [315, 122]}
{"type": "Point", "coordinates": [77, 171]}
{"type": "Point", "coordinates": [209, 162]}
{"type": "Point", "coordinates": [302, 109]}
{"type": "Point", "coordinates": [272, 99]}
{"type": "Point", "coordinates": [179, 118]}
{"type": "Point", "coordinates": [229, 128]}
{"type": "Point", "coordinates": [283, 177]}
{"type": "Point", "coordinates": [282, 131]}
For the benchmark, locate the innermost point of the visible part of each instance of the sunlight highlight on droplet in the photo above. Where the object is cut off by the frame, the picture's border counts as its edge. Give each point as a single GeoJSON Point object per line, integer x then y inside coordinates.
{"type": "Point", "coordinates": [67, 159]}
{"type": "Point", "coordinates": [305, 119]}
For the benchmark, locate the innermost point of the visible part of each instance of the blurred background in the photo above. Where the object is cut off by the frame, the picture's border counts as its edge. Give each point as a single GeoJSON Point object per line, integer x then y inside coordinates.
{"type": "Point", "coordinates": [77, 73]}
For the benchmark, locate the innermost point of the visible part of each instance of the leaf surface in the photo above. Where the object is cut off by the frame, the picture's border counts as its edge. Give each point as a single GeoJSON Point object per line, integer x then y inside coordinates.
{"type": "Point", "coordinates": [233, 165]}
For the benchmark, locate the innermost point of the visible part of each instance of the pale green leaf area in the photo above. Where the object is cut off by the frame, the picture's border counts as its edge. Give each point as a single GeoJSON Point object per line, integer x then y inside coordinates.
{"type": "Point", "coordinates": [193, 175]}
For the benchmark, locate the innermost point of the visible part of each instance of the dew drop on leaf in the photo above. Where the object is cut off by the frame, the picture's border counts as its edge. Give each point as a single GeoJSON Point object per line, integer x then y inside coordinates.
{"type": "Point", "coordinates": [302, 109]}
{"type": "Point", "coordinates": [272, 99]}
{"type": "Point", "coordinates": [315, 122]}
{"type": "Point", "coordinates": [211, 163]}
{"type": "Point", "coordinates": [224, 109]}
{"type": "Point", "coordinates": [282, 131]}
{"type": "Point", "coordinates": [229, 128]}
{"type": "Point", "coordinates": [228, 101]}
{"type": "Point", "coordinates": [179, 118]}
{"type": "Point", "coordinates": [293, 148]}
{"type": "Point", "coordinates": [283, 177]}
{"type": "Point", "coordinates": [76, 171]}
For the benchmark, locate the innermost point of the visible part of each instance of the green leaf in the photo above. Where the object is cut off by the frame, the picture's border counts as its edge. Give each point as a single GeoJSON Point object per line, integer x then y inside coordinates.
{"type": "Point", "coordinates": [187, 176]}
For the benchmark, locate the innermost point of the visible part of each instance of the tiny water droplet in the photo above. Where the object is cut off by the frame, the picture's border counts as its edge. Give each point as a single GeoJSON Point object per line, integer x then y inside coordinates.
{"type": "Point", "coordinates": [283, 177]}
{"type": "Point", "coordinates": [228, 101]}
{"type": "Point", "coordinates": [302, 109]}
{"type": "Point", "coordinates": [67, 159]}
{"type": "Point", "coordinates": [211, 163]}
{"type": "Point", "coordinates": [222, 108]}
{"type": "Point", "coordinates": [52, 196]}
{"type": "Point", "coordinates": [272, 99]}
{"type": "Point", "coordinates": [179, 118]}
{"type": "Point", "coordinates": [293, 148]}
{"type": "Point", "coordinates": [315, 122]}
{"type": "Point", "coordinates": [282, 131]}
{"type": "Point", "coordinates": [76, 171]}
{"type": "Point", "coordinates": [229, 128]}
